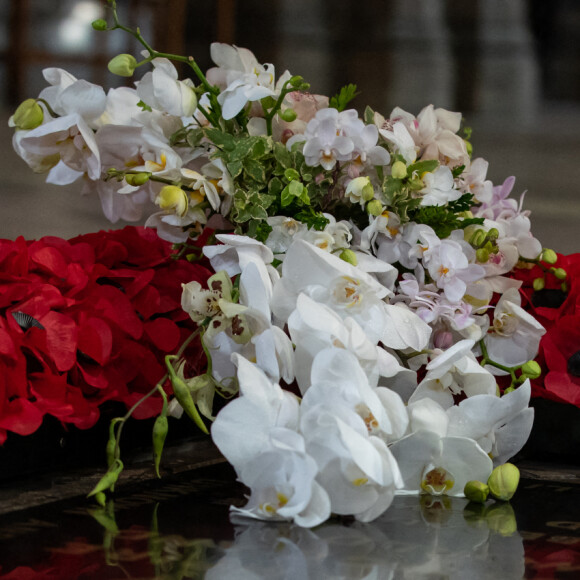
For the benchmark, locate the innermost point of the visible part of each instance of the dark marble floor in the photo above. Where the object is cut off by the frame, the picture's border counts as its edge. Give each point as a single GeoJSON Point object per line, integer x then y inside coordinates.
{"type": "Point", "coordinates": [180, 527]}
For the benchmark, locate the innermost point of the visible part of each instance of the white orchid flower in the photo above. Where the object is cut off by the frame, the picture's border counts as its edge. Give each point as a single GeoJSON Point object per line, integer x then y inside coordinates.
{"type": "Point", "coordinates": [453, 372]}
{"type": "Point", "coordinates": [403, 143]}
{"type": "Point", "coordinates": [439, 187]}
{"type": "Point", "coordinates": [437, 465]}
{"type": "Point", "coordinates": [69, 139]}
{"type": "Point", "coordinates": [500, 425]}
{"type": "Point", "coordinates": [314, 327]}
{"type": "Point", "coordinates": [242, 78]}
{"type": "Point", "coordinates": [282, 483]}
{"type": "Point", "coordinates": [242, 428]}
{"type": "Point", "coordinates": [160, 89]}
{"type": "Point", "coordinates": [514, 336]}
{"type": "Point", "coordinates": [357, 470]}
{"type": "Point", "coordinates": [69, 95]}
{"type": "Point", "coordinates": [337, 374]}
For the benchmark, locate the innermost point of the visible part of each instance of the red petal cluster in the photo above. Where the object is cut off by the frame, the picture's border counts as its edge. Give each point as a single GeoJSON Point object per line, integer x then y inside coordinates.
{"type": "Point", "coordinates": [562, 322]}
{"type": "Point", "coordinates": [103, 310]}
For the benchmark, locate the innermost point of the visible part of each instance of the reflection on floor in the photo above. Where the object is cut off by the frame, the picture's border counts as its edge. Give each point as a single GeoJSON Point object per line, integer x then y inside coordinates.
{"type": "Point", "coordinates": [182, 528]}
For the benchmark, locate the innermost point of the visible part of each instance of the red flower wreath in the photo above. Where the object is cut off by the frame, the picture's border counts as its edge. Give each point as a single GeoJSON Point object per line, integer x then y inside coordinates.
{"type": "Point", "coordinates": [85, 321]}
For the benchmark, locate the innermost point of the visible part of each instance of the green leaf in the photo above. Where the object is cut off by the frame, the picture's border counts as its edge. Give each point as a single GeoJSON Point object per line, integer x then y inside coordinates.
{"type": "Point", "coordinates": [457, 171]}
{"type": "Point", "coordinates": [259, 230]}
{"type": "Point", "coordinates": [194, 137]}
{"type": "Point", "coordinates": [275, 186]}
{"type": "Point", "coordinates": [235, 168]}
{"type": "Point", "coordinates": [369, 116]}
{"type": "Point", "coordinates": [313, 219]}
{"type": "Point", "coordinates": [144, 106]}
{"type": "Point", "coordinates": [464, 203]}
{"type": "Point", "coordinates": [341, 100]}
{"type": "Point", "coordinates": [282, 155]}
{"type": "Point", "coordinates": [255, 170]}
{"type": "Point", "coordinates": [470, 221]}
{"type": "Point", "coordinates": [221, 139]}
{"type": "Point", "coordinates": [421, 167]}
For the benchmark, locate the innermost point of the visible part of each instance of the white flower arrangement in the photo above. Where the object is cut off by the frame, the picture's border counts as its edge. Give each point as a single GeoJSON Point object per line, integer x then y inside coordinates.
{"type": "Point", "coordinates": [361, 304]}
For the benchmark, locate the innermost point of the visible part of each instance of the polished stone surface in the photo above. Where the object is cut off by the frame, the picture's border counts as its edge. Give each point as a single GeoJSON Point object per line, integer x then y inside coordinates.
{"type": "Point", "coordinates": [181, 528]}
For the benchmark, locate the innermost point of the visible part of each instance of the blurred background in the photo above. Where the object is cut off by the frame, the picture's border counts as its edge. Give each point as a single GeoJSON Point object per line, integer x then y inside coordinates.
{"type": "Point", "coordinates": [512, 67]}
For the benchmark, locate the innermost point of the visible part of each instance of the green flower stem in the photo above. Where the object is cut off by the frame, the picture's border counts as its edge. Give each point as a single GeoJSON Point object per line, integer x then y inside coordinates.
{"type": "Point", "coordinates": [213, 91]}
{"type": "Point", "coordinates": [120, 421]}
{"type": "Point", "coordinates": [270, 114]}
{"type": "Point", "coordinates": [487, 361]}
{"type": "Point", "coordinates": [48, 108]}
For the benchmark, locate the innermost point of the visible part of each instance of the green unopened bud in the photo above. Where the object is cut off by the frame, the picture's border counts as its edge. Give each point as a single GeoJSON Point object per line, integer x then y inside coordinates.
{"type": "Point", "coordinates": [137, 179]}
{"type": "Point", "coordinates": [564, 287]}
{"type": "Point", "coordinates": [123, 65]}
{"type": "Point", "coordinates": [367, 192]}
{"type": "Point", "coordinates": [482, 255]}
{"type": "Point", "coordinates": [501, 519]}
{"type": "Point", "coordinates": [549, 256]}
{"type": "Point", "coordinates": [469, 148]}
{"type": "Point", "coordinates": [375, 207]}
{"type": "Point", "coordinates": [531, 369]}
{"type": "Point", "coordinates": [493, 234]}
{"type": "Point", "coordinates": [503, 481]}
{"type": "Point", "coordinates": [399, 170]}
{"type": "Point", "coordinates": [476, 491]}
{"type": "Point", "coordinates": [296, 81]}
{"type": "Point", "coordinates": [28, 115]}
{"type": "Point", "coordinates": [349, 256]}
{"type": "Point", "coordinates": [288, 115]}
{"type": "Point", "coordinates": [478, 238]}
{"type": "Point", "coordinates": [538, 284]}
{"type": "Point", "coordinates": [99, 24]}
{"type": "Point", "coordinates": [560, 273]}
{"type": "Point", "coordinates": [509, 389]}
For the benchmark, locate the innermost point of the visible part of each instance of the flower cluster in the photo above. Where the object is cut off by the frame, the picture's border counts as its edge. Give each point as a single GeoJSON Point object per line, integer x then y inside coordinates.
{"type": "Point", "coordinates": [362, 303]}
{"type": "Point", "coordinates": [86, 321]}
{"type": "Point", "coordinates": [552, 296]}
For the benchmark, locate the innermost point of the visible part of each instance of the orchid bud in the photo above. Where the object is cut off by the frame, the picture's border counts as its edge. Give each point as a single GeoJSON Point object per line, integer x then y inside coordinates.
{"type": "Point", "coordinates": [399, 170]}
{"type": "Point", "coordinates": [538, 284]}
{"type": "Point", "coordinates": [99, 24]}
{"type": "Point", "coordinates": [123, 65]}
{"type": "Point", "coordinates": [288, 115]}
{"type": "Point", "coordinates": [28, 115]}
{"type": "Point", "coordinates": [349, 256]}
{"type": "Point", "coordinates": [137, 179]}
{"type": "Point", "coordinates": [493, 234]}
{"type": "Point", "coordinates": [560, 273]}
{"type": "Point", "coordinates": [564, 287]}
{"type": "Point", "coordinates": [509, 389]}
{"type": "Point", "coordinates": [482, 255]}
{"type": "Point", "coordinates": [296, 81]}
{"type": "Point", "coordinates": [375, 207]}
{"type": "Point", "coordinates": [469, 148]}
{"type": "Point", "coordinates": [478, 238]}
{"type": "Point", "coordinates": [531, 370]}
{"type": "Point", "coordinates": [476, 491]}
{"type": "Point", "coordinates": [549, 256]}
{"type": "Point", "coordinates": [503, 481]}
{"type": "Point", "coordinates": [173, 198]}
